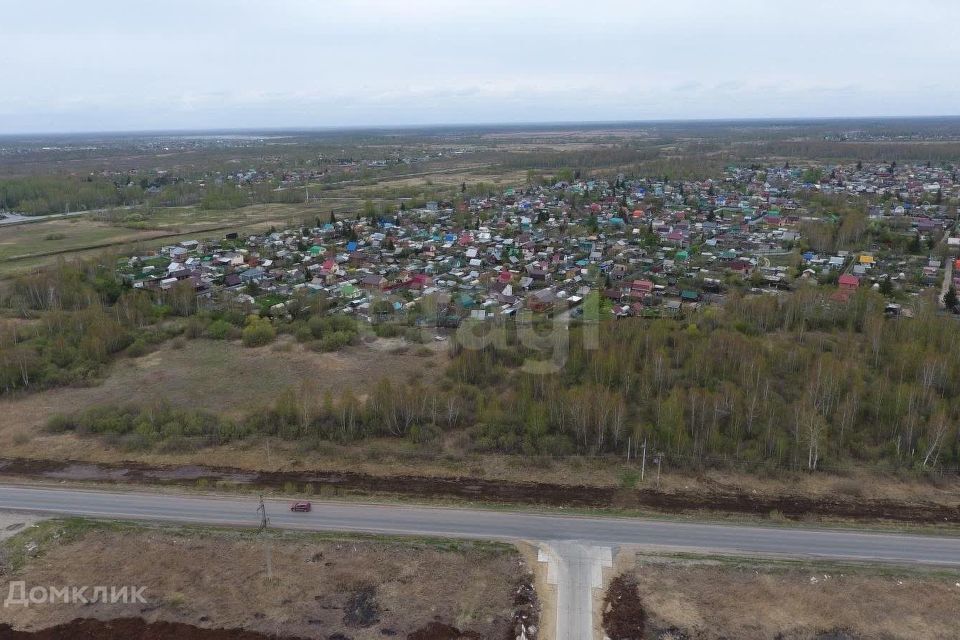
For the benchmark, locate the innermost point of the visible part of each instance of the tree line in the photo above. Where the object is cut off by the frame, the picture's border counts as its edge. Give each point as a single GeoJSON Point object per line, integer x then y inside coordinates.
{"type": "Point", "coordinates": [53, 194]}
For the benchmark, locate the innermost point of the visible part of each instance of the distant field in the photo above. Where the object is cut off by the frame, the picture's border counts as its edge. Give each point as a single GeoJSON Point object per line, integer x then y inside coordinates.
{"type": "Point", "coordinates": [28, 246]}
{"type": "Point", "coordinates": [62, 235]}
{"type": "Point", "coordinates": [453, 179]}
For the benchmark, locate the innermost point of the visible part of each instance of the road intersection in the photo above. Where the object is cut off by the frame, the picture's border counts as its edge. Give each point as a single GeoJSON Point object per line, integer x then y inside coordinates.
{"type": "Point", "coordinates": [576, 548]}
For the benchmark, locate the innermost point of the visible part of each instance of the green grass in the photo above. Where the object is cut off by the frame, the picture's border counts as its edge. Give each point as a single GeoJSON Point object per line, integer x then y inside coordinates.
{"type": "Point", "coordinates": [814, 566]}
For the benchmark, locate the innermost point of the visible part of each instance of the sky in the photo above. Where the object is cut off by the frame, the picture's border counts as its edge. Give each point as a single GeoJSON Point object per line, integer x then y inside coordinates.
{"type": "Point", "coordinates": [117, 65]}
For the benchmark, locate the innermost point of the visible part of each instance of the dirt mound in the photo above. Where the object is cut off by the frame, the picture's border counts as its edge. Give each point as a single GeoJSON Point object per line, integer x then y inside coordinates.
{"type": "Point", "coordinates": [440, 631]}
{"type": "Point", "coordinates": [476, 489]}
{"type": "Point", "coordinates": [623, 615]}
{"type": "Point", "coordinates": [132, 629]}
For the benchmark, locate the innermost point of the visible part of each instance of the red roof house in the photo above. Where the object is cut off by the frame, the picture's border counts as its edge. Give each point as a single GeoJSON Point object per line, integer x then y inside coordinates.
{"type": "Point", "coordinates": [849, 282]}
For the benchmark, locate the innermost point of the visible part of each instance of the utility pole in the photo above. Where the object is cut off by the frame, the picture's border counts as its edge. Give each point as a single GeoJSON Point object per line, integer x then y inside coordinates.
{"type": "Point", "coordinates": [659, 460]}
{"type": "Point", "coordinates": [643, 464]}
{"type": "Point", "coordinates": [264, 523]}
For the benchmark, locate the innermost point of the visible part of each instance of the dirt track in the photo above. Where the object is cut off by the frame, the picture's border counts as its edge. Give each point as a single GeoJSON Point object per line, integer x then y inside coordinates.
{"type": "Point", "coordinates": [480, 490]}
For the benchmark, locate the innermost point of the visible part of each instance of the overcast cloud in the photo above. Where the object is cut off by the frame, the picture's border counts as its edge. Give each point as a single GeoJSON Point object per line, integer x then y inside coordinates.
{"type": "Point", "coordinates": [107, 65]}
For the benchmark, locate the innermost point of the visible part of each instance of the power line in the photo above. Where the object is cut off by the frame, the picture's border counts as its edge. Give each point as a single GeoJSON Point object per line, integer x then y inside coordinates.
{"type": "Point", "coordinates": [264, 523]}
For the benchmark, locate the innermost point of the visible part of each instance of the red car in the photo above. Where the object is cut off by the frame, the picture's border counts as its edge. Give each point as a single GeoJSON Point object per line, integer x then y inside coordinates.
{"type": "Point", "coordinates": [301, 506]}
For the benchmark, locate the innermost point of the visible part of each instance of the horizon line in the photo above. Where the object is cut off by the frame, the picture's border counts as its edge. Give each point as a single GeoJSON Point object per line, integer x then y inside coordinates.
{"type": "Point", "coordinates": [475, 125]}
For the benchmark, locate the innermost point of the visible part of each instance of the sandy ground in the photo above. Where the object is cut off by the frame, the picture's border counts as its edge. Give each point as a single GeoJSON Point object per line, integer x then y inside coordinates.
{"type": "Point", "coordinates": [750, 599]}
{"type": "Point", "coordinates": [364, 589]}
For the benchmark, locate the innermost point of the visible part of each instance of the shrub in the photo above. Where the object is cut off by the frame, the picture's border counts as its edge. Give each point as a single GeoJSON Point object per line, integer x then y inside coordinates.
{"type": "Point", "coordinates": [386, 330]}
{"type": "Point", "coordinates": [413, 334]}
{"type": "Point", "coordinates": [302, 333]}
{"type": "Point", "coordinates": [60, 423]}
{"type": "Point", "coordinates": [219, 330]}
{"type": "Point", "coordinates": [258, 332]}
{"type": "Point", "coordinates": [196, 327]}
{"type": "Point", "coordinates": [134, 427]}
{"type": "Point", "coordinates": [323, 325]}
{"type": "Point", "coordinates": [333, 341]}
{"type": "Point", "coordinates": [425, 433]}
{"type": "Point", "coordinates": [137, 349]}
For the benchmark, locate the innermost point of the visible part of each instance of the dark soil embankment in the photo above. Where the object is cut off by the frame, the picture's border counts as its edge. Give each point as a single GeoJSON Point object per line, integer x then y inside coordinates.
{"type": "Point", "coordinates": [440, 631]}
{"type": "Point", "coordinates": [131, 629]}
{"type": "Point", "coordinates": [623, 614]}
{"type": "Point", "coordinates": [137, 629]}
{"type": "Point", "coordinates": [497, 491]}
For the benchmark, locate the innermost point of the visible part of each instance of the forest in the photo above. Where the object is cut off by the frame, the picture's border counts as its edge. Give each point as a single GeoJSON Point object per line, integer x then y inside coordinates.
{"type": "Point", "coordinates": [51, 194]}
{"type": "Point", "coordinates": [66, 194]}
{"type": "Point", "coordinates": [798, 381]}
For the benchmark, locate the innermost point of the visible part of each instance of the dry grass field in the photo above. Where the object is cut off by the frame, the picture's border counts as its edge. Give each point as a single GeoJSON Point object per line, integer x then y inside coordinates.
{"type": "Point", "coordinates": [224, 378]}
{"type": "Point", "coordinates": [67, 235]}
{"type": "Point", "coordinates": [703, 599]}
{"type": "Point", "coordinates": [321, 585]}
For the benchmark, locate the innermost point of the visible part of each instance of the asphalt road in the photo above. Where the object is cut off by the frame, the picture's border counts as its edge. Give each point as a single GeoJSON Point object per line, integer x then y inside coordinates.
{"type": "Point", "coordinates": [492, 524]}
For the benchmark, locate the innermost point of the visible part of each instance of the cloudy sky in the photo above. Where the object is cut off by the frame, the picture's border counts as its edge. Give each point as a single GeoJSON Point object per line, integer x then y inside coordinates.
{"type": "Point", "coordinates": [111, 65]}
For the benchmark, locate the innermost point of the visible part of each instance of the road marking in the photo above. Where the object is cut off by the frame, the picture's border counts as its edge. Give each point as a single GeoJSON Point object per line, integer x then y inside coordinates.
{"type": "Point", "coordinates": [497, 525]}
